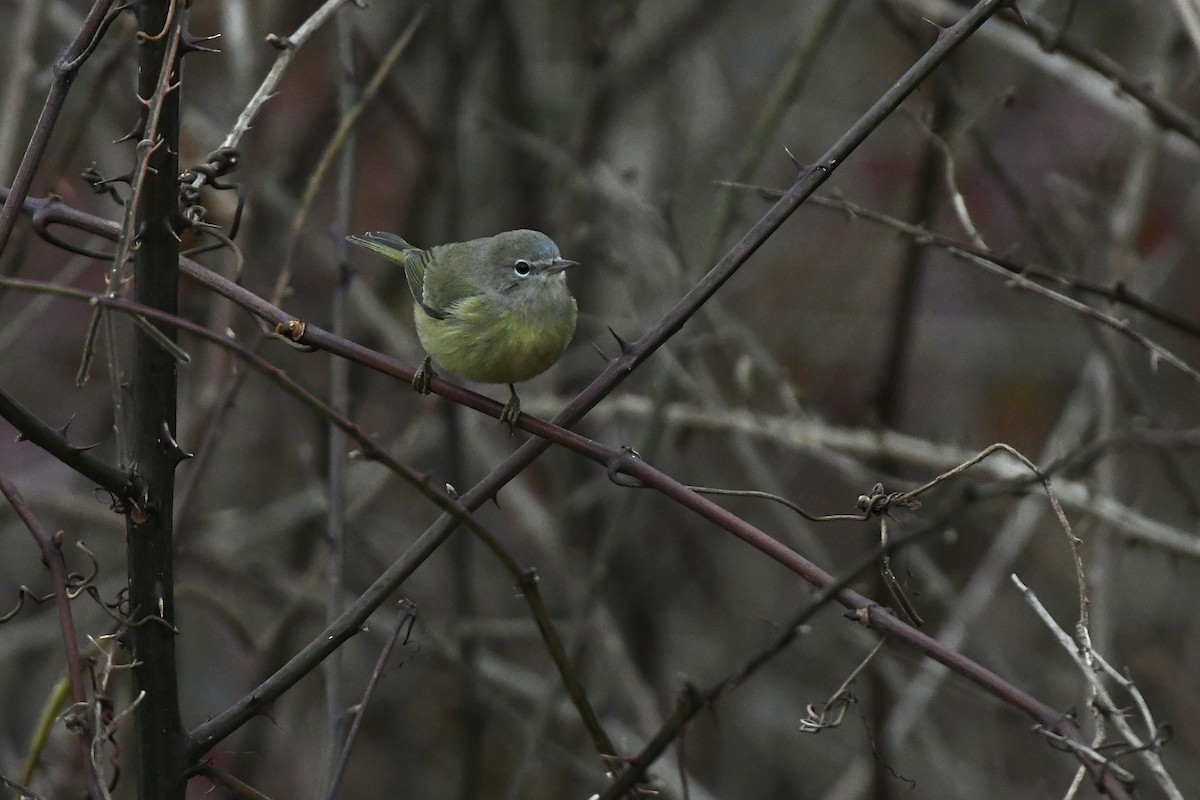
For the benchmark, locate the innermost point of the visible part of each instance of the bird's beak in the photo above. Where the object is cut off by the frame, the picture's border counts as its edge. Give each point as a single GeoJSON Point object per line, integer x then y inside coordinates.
{"type": "Point", "coordinates": [559, 264]}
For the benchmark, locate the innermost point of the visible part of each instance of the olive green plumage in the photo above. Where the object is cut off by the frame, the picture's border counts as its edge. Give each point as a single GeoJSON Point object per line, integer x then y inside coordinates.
{"type": "Point", "coordinates": [495, 310]}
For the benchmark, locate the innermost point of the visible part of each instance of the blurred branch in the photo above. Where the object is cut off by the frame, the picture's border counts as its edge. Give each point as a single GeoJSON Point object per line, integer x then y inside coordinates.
{"type": "Point", "coordinates": [229, 391]}
{"type": "Point", "coordinates": [288, 46]}
{"type": "Point", "coordinates": [1020, 274]}
{"type": "Point", "coordinates": [65, 66]}
{"type": "Point", "coordinates": [781, 98]}
{"type": "Point", "coordinates": [1189, 18]}
{"type": "Point", "coordinates": [47, 720]}
{"type": "Point", "coordinates": [1052, 39]}
{"type": "Point", "coordinates": [338, 740]}
{"type": "Point", "coordinates": [406, 618]}
{"type": "Point", "coordinates": [52, 557]}
{"type": "Point", "coordinates": [1157, 352]}
{"type": "Point", "coordinates": [819, 437]}
{"type": "Point", "coordinates": [16, 88]}
{"type": "Point", "coordinates": [346, 125]}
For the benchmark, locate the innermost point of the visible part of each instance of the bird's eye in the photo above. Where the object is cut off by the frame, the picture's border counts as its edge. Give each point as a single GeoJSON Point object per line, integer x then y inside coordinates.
{"type": "Point", "coordinates": [522, 268]}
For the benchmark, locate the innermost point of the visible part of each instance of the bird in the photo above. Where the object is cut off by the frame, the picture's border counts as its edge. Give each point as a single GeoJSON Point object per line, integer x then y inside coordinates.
{"type": "Point", "coordinates": [493, 310]}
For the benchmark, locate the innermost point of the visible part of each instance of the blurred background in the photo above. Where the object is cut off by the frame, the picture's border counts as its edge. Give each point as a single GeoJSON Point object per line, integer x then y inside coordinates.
{"type": "Point", "coordinates": [844, 353]}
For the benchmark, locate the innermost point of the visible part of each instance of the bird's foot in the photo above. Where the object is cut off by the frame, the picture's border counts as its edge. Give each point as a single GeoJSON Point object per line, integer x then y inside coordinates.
{"type": "Point", "coordinates": [420, 380]}
{"type": "Point", "coordinates": [512, 410]}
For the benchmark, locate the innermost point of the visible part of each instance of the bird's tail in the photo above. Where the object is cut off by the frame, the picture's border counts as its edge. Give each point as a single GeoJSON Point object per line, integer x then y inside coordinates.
{"type": "Point", "coordinates": [388, 245]}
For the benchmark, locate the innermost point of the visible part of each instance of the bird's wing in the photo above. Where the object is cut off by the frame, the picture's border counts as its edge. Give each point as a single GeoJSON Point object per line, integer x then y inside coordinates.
{"type": "Point", "coordinates": [444, 288]}
{"type": "Point", "coordinates": [416, 267]}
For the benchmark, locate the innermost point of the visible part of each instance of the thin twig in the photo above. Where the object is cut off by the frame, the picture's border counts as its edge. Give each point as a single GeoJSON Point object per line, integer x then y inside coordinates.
{"type": "Point", "coordinates": [288, 46]}
{"type": "Point", "coordinates": [1082, 655]}
{"type": "Point", "coordinates": [1157, 352]}
{"type": "Point", "coordinates": [405, 618]}
{"type": "Point", "coordinates": [1115, 293]}
{"type": "Point", "coordinates": [833, 710]}
{"type": "Point", "coordinates": [1057, 51]}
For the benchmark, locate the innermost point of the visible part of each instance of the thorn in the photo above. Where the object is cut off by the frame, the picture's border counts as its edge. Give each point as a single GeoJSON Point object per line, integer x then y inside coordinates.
{"type": "Point", "coordinates": [1012, 5]}
{"type": "Point", "coordinates": [84, 447]}
{"type": "Point", "coordinates": [63, 430]}
{"type": "Point", "coordinates": [607, 359]}
{"type": "Point", "coordinates": [172, 446]}
{"type": "Point", "coordinates": [135, 133]}
{"type": "Point", "coordinates": [195, 44]}
{"type": "Point", "coordinates": [940, 30]}
{"type": "Point", "coordinates": [624, 345]}
{"type": "Point", "coordinates": [800, 166]}
{"type": "Point", "coordinates": [93, 178]}
{"type": "Point", "coordinates": [139, 234]}
{"type": "Point", "coordinates": [279, 42]}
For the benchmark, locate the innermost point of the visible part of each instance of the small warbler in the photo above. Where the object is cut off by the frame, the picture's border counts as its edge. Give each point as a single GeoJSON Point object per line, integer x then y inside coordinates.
{"type": "Point", "coordinates": [494, 310]}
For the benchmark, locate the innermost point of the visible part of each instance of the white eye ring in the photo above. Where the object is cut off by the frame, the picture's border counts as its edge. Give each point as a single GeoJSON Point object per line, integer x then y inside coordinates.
{"type": "Point", "coordinates": [522, 268]}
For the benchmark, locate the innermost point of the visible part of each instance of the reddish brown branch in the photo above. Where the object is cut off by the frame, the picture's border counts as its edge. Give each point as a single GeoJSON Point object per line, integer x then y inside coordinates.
{"type": "Point", "coordinates": [52, 557]}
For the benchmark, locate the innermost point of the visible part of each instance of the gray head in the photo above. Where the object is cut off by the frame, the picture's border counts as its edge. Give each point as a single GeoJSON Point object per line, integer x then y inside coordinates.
{"type": "Point", "coordinates": [514, 260]}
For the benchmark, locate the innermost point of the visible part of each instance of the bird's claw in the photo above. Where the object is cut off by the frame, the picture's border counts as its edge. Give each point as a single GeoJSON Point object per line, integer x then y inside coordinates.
{"type": "Point", "coordinates": [511, 412]}
{"type": "Point", "coordinates": [420, 380]}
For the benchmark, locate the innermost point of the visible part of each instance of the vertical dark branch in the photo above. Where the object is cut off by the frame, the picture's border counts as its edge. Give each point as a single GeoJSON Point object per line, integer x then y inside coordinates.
{"type": "Point", "coordinates": [155, 454]}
